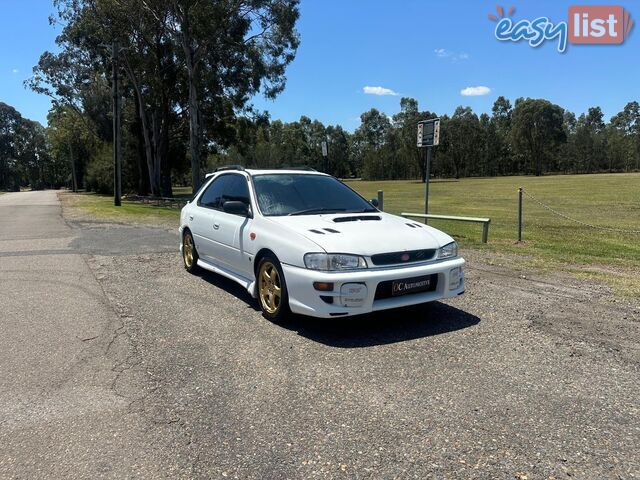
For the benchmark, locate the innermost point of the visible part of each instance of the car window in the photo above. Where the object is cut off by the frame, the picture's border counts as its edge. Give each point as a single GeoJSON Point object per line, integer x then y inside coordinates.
{"type": "Point", "coordinates": [236, 189]}
{"type": "Point", "coordinates": [223, 189]}
{"type": "Point", "coordinates": [300, 194]}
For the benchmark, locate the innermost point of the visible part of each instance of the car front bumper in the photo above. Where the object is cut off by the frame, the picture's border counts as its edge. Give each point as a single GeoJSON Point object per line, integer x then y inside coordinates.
{"type": "Point", "coordinates": [306, 300]}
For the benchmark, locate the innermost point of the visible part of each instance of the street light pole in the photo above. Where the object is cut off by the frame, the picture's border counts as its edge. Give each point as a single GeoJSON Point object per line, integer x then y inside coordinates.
{"type": "Point", "coordinates": [117, 183]}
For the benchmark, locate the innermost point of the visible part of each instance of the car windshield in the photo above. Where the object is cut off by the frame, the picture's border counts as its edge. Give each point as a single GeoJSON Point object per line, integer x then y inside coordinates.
{"type": "Point", "coordinates": [306, 194]}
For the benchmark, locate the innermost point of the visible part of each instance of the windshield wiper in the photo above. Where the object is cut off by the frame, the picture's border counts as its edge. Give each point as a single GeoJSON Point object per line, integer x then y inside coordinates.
{"type": "Point", "coordinates": [364, 210]}
{"type": "Point", "coordinates": [317, 210]}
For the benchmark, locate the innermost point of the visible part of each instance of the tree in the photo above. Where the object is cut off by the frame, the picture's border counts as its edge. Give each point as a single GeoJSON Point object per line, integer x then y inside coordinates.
{"type": "Point", "coordinates": [231, 50]}
{"type": "Point", "coordinates": [627, 123]}
{"type": "Point", "coordinates": [371, 135]}
{"type": "Point", "coordinates": [537, 130]}
{"type": "Point", "coordinates": [501, 125]}
{"type": "Point", "coordinates": [463, 133]}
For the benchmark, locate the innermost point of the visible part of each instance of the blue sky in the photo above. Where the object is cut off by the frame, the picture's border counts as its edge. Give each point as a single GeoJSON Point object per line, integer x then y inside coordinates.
{"type": "Point", "coordinates": [430, 50]}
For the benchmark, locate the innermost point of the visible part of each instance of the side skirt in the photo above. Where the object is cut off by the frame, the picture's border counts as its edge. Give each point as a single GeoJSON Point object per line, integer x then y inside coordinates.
{"type": "Point", "coordinates": [245, 282]}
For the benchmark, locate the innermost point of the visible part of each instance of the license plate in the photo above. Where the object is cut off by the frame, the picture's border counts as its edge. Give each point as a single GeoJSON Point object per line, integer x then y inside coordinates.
{"type": "Point", "coordinates": [413, 285]}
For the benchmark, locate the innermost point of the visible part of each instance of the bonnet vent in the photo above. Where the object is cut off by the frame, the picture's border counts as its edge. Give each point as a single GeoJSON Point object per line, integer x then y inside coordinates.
{"type": "Point", "coordinates": [363, 218]}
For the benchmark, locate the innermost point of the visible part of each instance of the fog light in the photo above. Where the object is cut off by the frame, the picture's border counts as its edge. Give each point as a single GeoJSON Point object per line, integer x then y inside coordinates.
{"type": "Point", "coordinates": [455, 277]}
{"type": "Point", "coordinates": [323, 286]}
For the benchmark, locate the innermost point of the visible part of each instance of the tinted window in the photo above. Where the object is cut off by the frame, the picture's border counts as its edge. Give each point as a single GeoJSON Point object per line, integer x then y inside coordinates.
{"type": "Point", "coordinates": [213, 194]}
{"type": "Point", "coordinates": [225, 188]}
{"type": "Point", "coordinates": [236, 189]}
{"type": "Point", "coordinates": [291, 194]}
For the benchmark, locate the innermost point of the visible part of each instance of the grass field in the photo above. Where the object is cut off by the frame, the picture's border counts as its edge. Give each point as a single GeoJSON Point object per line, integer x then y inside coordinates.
{"type": "Point", "coordinates": [102, 207]}
{"type": "Point", "coordinates": [549, 241]}
{"type": "Point", "coordinates": [609, 200]}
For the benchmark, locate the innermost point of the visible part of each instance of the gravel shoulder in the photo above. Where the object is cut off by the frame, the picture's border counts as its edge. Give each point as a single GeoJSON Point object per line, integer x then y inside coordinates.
{"type": "Point", "coordinates": [525, 376]}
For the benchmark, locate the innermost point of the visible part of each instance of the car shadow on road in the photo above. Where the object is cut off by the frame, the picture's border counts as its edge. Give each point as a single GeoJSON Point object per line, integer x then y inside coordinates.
{"type": "Point", "coordinates": [382, 328]}
{"type": "Point", "coordinates": [379, 328]}
{"type": "Point", "coordinates": [229, 286]}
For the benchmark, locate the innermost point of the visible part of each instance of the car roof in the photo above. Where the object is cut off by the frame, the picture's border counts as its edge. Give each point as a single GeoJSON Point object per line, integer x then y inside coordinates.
{"type": "Point", "coordinates": [253, 171]}
{"type": "Point", "coordinates": [273, 171]}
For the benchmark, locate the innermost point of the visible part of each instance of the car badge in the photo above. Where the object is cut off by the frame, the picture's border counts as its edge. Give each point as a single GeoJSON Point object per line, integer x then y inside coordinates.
{"type": "Point", "coordinates": [404, 257]}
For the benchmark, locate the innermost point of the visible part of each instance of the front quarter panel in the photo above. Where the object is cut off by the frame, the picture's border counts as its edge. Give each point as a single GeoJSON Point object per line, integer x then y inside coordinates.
{"type": "Point", "coordinates": [288, 245]}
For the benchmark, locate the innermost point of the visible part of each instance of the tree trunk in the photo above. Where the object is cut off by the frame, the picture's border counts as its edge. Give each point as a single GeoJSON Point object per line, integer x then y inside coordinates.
{"type": "Point", "coordinates": [143, 171]}
{"type": "Point", "coordinates": [194, 109]}
{"type": "Point", "coordinates": [74, 180]}
{"type": "Point", "coordinates": [154, 177]}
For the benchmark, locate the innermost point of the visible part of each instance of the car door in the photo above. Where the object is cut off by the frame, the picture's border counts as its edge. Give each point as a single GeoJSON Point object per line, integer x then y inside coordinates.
{"type": "Point", "coordinates": [230, 230]}
{"type": "Point", "coordinates": [202, 218]}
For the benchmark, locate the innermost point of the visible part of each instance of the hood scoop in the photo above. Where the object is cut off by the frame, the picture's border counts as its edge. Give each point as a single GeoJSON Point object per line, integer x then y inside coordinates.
{"type": "Point", "coordinates": [321, 232]}
{"type": "Point", "coordinates": [362, 218]}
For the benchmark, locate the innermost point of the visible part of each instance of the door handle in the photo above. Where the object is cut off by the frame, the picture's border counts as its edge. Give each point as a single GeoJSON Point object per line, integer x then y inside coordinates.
{"type": "Point", "coordinates": [216, 226]}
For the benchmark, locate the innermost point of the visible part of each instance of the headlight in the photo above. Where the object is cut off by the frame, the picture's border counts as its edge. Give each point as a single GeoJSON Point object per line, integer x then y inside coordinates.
{"type": "Point", "coordinates": [333, 261]}
{"type": "Point", "coordinates": [450, 250]}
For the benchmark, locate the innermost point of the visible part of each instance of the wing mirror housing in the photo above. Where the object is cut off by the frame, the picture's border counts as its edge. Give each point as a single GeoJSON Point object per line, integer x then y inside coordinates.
{"type": "Point", "coordinates": [236, 207]}
{"type": "Point", "coordinates": [374, 202]}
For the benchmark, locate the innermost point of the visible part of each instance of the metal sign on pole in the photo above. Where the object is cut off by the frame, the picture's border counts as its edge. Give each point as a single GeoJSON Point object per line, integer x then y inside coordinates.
{"type": "Point", "coordinates": [428, 137]}
{"type": "Point", "coordinates": [325, 155]}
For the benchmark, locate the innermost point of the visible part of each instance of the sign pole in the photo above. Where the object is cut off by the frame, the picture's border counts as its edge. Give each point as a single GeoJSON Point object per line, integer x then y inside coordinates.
{"type": "Point", "coordinates": [427, 174]}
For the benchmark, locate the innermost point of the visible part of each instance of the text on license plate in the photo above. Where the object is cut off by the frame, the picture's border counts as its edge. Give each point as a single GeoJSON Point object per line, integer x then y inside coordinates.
{"type": "Point", "coordinates": [425, 283]}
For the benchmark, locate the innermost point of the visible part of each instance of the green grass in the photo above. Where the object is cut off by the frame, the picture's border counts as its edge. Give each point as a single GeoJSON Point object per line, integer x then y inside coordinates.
{"type": "Point", "coordinates": [102, 207]}
{"type": "Point", "coordinates": [611, 200]}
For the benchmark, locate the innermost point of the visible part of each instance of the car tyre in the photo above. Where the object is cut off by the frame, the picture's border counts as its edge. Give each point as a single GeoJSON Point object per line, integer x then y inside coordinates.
{"type": "Point", "coordinates": [273, 296]}
{"type": "Point", "coordinates": [189, 253]}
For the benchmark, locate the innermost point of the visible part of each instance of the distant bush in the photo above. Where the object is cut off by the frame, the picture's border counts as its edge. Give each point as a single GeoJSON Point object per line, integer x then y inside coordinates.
{"type": "Point", "coordinates": [99, 176]}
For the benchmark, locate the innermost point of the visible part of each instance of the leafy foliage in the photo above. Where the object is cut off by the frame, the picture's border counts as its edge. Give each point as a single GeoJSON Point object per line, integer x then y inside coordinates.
{"type": "Point", "coordinates": [534, 137]}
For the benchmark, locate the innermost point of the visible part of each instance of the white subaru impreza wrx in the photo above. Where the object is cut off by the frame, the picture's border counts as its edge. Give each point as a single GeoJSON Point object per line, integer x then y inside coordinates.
{"type": "Point", "coordinates": [304, 242]}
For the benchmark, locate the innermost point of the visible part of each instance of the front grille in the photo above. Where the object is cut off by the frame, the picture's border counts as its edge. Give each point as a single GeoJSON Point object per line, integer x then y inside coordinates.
{"type": "Point", "coordinates": [403, 257]}
{"type": "Point", "coordinates": [384, 289]}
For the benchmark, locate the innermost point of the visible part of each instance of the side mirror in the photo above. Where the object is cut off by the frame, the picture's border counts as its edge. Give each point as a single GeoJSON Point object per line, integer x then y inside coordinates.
{"type": "Point", "coordinates": [374, 202]}
{"type": "Point", "coordinates": [235, 207]}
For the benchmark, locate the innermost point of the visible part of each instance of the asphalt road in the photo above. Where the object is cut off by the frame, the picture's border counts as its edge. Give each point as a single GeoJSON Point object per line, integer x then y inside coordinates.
{"type": "Point", "coordinates": [116, 363]}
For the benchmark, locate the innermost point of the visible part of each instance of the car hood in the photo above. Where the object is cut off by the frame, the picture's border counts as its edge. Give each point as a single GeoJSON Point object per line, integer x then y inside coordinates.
{"type": "Point", "coordinates": [353, 233]}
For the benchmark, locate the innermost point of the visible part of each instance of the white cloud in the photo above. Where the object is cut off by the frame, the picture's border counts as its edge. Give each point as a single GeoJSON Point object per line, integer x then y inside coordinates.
{"type": "Point", "coordinates": [15, 70]}
{"type": "Point", "coordinates": [379, 91]}
{"type": "Point", "coordinates": [441, 52]}
{"type": "Point", "coordinates": [475, 91]}
{"type": "Point", "coordinates": [453, 56]}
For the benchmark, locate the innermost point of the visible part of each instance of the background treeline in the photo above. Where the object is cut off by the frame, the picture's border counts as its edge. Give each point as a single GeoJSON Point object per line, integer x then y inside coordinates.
{"type": "Point", "coordinates": [531, 136]}
{"type": "Point", "coordinates": [189, 70]}
{"type": "Point", "coordinates": [25, 158]}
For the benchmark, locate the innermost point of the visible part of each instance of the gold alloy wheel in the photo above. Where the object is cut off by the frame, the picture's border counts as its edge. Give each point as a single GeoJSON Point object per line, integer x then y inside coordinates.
{"type": "Point", "coordinates": [270, 288]}
{"type": "Point", "coordinates": [187, 250]}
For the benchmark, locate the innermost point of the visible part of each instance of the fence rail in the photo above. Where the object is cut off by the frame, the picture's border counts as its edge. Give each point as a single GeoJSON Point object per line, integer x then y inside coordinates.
{"type": "Point", "coordinates": [485, 221]}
